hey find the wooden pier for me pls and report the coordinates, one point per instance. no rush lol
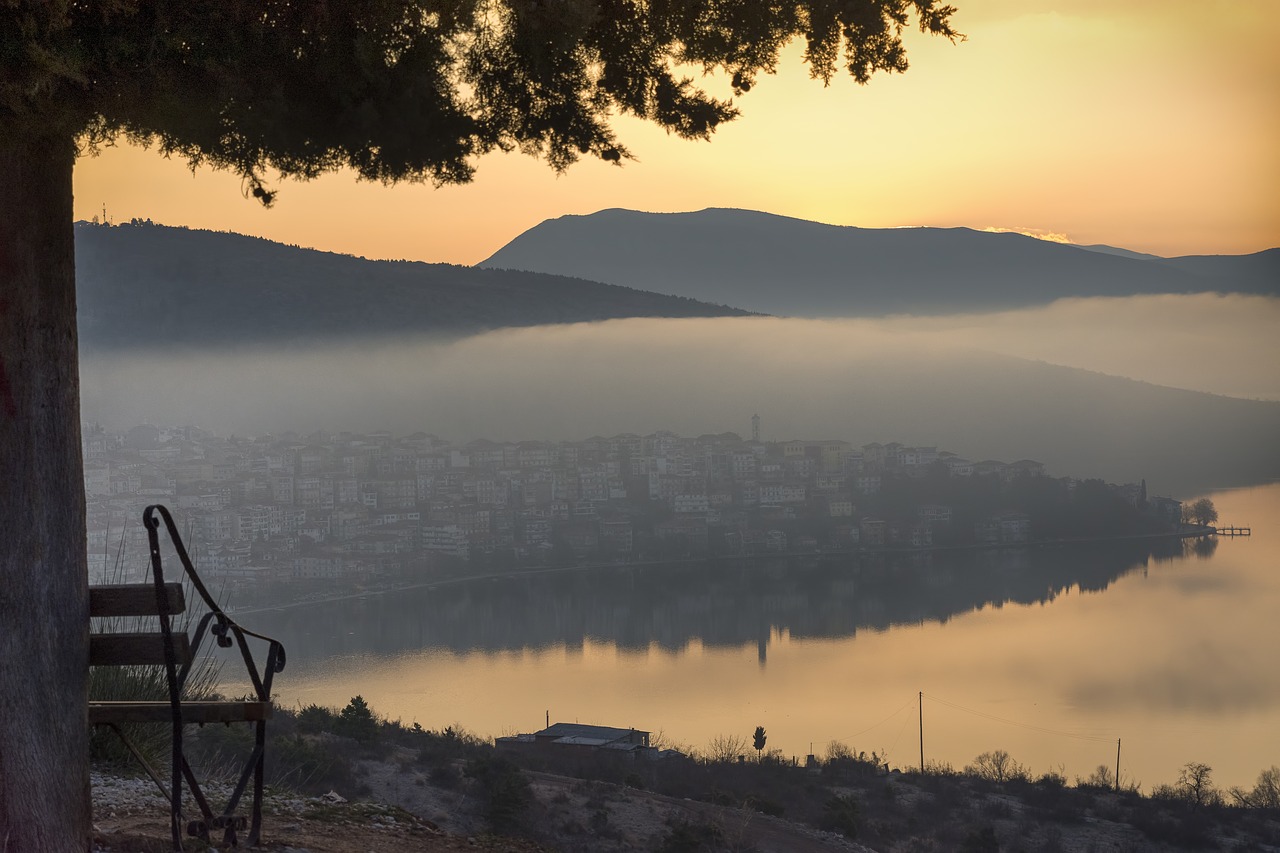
(1233, 531)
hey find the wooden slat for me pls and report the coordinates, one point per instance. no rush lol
(192, 712)
(141, 649)
(133, 599)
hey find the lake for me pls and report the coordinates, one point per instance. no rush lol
(1051, 654)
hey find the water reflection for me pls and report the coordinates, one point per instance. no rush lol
(1166, 644)
(719, 604)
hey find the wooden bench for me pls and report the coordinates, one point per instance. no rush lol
(173, 649)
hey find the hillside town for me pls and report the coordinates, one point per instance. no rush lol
(351, 507)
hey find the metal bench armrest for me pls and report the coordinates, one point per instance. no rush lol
(225, 630)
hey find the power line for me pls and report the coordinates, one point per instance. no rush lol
(904, 707)
(1031, 726)
(884, 758)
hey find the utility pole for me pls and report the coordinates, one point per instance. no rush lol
(921, 706)
(1117, 765)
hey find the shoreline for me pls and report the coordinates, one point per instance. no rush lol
(514, 573)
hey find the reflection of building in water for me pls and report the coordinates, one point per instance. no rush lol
(718, 604)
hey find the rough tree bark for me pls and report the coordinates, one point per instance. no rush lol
(44, 772)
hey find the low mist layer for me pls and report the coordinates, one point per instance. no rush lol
(949, 382)
(1203, 342)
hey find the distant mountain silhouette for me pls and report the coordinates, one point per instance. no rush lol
(1124, 253)
(142, 285)
(779, 265)
(1256, 273)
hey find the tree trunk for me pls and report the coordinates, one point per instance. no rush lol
(44, 611)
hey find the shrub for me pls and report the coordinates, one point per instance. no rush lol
(1189, 833)
(1101, 779)
(998, 767)
(837, 751)
(308, 765)
(843, 762)
(768, 807)
(313, 719)
(448, 745)
(840, 814)
(357, 721)
(726, 748)
(444, 776)
(721, 798)
(143, 683)
(981, 840)
(504, 789)
(686, 837)
(1052, 779)
(1265, 794)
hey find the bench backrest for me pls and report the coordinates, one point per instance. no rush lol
(158, 602)
(166, 645)
(137, 648)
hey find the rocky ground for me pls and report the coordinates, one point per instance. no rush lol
(130, 816)
(403, 813)
(397, 804)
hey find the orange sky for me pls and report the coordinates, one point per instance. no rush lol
(1148, 124)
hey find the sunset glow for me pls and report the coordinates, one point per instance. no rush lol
(1150, 126)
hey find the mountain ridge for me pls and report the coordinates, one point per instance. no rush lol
(783, 265)
(143, 284)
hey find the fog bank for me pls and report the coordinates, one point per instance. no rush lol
(1222, 344)
(930, 382)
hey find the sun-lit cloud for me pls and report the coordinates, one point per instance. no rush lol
(1039, 234)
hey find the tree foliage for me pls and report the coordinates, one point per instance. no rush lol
(758, 739)
(1102, 777)
(1265, 793)
(357, 720)
(1201, 511)
(998, 766)
(841, 813)
(1195, 784)
(414, 89)
(503, 789)
(726, 748)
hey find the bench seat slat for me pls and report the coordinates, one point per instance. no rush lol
(136, 649)
(192, 712)
(134, 599)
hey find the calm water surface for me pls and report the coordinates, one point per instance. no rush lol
(1051, 655)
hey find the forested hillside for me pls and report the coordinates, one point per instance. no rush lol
(146, 285)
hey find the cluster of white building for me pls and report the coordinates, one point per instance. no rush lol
(324, 506)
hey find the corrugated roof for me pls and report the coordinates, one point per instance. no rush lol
(585, 732)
